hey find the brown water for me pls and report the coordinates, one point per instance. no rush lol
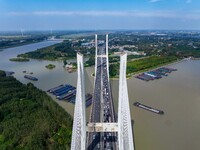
(178, 95)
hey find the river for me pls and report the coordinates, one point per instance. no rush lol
(178, 95)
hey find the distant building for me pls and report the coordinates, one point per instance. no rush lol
(85, 44)
(169, 45)
(69, 66)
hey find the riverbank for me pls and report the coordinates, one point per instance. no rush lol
(195, 58)
(19, 44)
(129, 76)
(19, 59)
(157, 67)
(141, 65)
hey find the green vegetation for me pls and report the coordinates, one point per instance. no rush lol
(65, 62)
(12, 41)
(90, 61)
(114, 70)
(19, 59)
(114, 59)
(65, 50)
(30, 119)
(148, 63)
(130, 57)
(47, 53)
(74, 65)
(50, 66)
(156, 48)
(141, 65)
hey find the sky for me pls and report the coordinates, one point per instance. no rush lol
(99, 14)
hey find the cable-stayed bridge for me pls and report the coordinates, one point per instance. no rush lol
(103, 131)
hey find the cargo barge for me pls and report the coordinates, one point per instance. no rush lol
(64, 91)
(67, 92)
(171, 69)
(56, 88)
(148, 108)
(30, 78)
(155, 74)
(9, 73)
(67, 95)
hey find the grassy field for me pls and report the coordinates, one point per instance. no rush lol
(142, 65)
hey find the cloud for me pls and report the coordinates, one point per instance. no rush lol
(188, 1)
(161, 14)
(154, 1)
(80, 13)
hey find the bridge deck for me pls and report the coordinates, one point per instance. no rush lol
(102, 127)
(102, 136)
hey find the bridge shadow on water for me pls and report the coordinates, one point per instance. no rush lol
(132, 123)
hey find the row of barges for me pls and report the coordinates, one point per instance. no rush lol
(67, 92)
(10, 73)
(62, 92)
(155, 74)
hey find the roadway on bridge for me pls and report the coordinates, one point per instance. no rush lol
(102, 107)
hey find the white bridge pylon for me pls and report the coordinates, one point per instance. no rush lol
(79, 123)
(125, 137)
(123, 127)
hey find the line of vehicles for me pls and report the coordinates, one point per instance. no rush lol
(108, 114)
(94, 138)
(102, 110)
(155, 74)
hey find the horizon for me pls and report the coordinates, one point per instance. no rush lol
(99, 30)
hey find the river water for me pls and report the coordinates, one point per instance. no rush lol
(178, 95)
